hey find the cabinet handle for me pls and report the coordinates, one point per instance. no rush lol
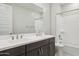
(42, 51)
(39, 52)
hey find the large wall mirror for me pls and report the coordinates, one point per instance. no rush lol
(18, 18)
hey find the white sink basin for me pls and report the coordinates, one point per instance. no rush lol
(32, 37)
(16, 41)
(3, 42)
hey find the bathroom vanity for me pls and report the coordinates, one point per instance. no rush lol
(27, 44)
(41, 48)
(44, 46)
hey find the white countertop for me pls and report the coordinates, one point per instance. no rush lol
(7, 44)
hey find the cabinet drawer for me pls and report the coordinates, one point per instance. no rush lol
(13, 51)
(37, 44)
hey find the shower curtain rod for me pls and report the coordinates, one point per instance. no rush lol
(67, 11)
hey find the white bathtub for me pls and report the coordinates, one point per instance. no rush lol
(67, 50)
(70, 51)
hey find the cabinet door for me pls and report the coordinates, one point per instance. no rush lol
(13, 51)
(41, 51)
(34, 52)
(52, 49)
(52, 46)
(44, 50)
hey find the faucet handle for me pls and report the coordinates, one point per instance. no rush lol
(10, 33)
(60, 38)
(21, 36)
(17, 36)
(12, 37)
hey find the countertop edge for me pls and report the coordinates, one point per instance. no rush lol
(24, 43)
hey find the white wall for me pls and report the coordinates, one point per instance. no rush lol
(71, 22)
(5, 19)
(70, 6)
(58, 8)
(55, 8)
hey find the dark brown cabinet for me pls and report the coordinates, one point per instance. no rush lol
(40, 48)
(34, 52)
(52, 47)
(17, 51)
(41, 51)
(44, 50)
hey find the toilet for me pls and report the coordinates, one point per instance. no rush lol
(59, 48)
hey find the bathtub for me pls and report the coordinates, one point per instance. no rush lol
(67, 50)
(70, 51)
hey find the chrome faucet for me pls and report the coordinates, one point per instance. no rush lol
(60, 38)
(21, 36)
(17, 36)
(12, 37)
(38, 33)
